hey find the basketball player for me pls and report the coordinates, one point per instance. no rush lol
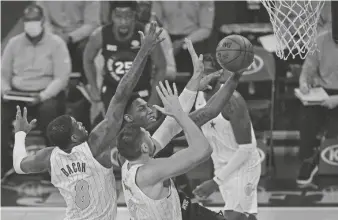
(119, 43)
(85, 180)
(139, 113)
(235, 156)
(149, 192)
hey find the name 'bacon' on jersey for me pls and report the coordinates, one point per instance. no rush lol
(87, 187)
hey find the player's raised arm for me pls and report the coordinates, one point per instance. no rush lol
(106, 131)
(91, 50)
(198, 151)
(169, 128)
(201, 116)
(217, 102)
(160, 64)
(22, 162)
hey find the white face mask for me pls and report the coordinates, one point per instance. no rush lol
(33, 28)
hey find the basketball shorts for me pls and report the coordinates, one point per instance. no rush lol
(240, 191)
(194, 211)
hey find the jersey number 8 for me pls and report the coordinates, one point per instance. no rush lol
(82, 197)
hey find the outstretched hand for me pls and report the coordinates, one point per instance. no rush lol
(171, 103)
(21, 123)
(197, 61)
(151, 38)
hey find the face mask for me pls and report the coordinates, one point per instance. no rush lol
(33, 28)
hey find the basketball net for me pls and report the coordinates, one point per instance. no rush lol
(295, 26)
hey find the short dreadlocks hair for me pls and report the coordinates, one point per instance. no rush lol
(60, 131)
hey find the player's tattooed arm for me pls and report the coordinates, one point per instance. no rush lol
(104, 133)
(40, 162)
(237, 113)
(217, 102)
(91, 50)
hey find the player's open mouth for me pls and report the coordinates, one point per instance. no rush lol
(152, 118)
(123, 29)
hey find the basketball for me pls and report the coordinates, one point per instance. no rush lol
(234, 53)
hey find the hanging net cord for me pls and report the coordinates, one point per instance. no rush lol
(295, 26)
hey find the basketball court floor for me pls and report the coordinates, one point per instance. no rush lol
(267, 213)
(33, 198)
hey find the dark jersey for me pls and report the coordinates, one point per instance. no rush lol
(119, 56)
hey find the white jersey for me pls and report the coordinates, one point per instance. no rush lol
(87, 187)
(241, 186)
(141, 207)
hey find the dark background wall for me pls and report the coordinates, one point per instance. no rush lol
(11, 12)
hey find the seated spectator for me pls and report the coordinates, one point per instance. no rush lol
(319, 70)
(33, 61)
(73, 21)
(119, 42)
(182, 19)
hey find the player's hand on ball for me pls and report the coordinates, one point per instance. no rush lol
(151, 39)
(206, 80)
(240, 72)
(204, 190)
(21, 123)
(172, 106)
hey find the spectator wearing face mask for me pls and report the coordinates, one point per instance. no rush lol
(35, 62)
(73, 21)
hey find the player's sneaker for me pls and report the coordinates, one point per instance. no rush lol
(307, 171)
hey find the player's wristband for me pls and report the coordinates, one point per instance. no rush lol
(20, 135)
(19, 151)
